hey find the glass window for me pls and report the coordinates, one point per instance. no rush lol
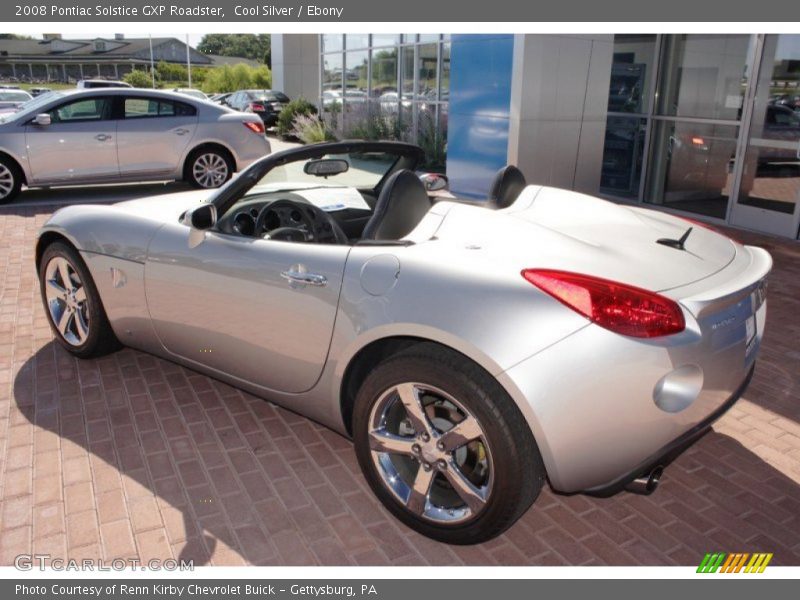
(633, 64)
(385, 40)
(771, 173)
(409, 38)
(408, 72)
(704, 76)
(692, 166)
(89, 109)
(622, 156)
(355, 86)
(332, 42)
(444, 74)
(427, 62)
(332, 72)
(429, 37)
(384, 72)
(355, 41)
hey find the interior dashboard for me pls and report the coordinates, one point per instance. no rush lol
(294, 218)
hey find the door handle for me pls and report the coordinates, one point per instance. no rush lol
(102, 137)
(181, 131)
(798, 149)
(299, 277)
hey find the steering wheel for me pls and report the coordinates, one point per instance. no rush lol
(308, 229)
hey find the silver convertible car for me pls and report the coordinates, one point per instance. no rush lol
(114, 135)
(471, 350)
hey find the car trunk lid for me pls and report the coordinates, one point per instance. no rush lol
(559, 229)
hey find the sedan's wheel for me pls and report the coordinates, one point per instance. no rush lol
(72, 303)
(209, 169)
(10, 181)
(444, 447)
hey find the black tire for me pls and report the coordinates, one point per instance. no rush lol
(189, 174)
(100, 339)
(519, 472)
(10, 180)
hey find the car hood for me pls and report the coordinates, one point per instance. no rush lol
(164, 208)
(552, 228)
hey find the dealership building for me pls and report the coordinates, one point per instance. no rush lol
(704, 125)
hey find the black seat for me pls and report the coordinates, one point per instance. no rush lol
(402, 204)
(506, 187)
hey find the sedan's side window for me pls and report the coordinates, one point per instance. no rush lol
(87, 109)
(138, 108)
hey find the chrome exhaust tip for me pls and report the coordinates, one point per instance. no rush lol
(646, 484)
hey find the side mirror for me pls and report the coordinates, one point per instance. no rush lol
(42, 119)
(200, 217)
(434, 182)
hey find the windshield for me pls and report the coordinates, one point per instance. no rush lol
(32, 106)
(365, 170)
(193, 93)
(14, 96)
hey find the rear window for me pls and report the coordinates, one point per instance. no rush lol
(270, 96)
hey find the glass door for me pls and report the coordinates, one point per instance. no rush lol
(768, 197)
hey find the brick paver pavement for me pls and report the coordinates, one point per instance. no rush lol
(133, 456)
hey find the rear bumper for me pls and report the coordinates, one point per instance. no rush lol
(674, 448)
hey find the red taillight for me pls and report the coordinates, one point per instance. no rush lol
(623, 309)
(257, 107)
(698, 141)
(255, 127)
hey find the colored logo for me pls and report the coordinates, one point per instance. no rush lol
(744, 562)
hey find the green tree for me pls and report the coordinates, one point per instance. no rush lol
(229, 78)
(171, 72)
(137, 78)
(242, 45)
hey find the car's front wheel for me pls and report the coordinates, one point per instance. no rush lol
(208, 168)
(72, 303)
(444, 447)
(10, 180)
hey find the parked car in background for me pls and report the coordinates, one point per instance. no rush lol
(191, 92)
(13, 99)
(267, 104)
(116, 135)
(85, 84)
(38, 91)
(221, 98)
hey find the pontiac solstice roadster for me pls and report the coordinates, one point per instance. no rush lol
(472, 350)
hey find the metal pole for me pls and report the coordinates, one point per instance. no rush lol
(188, 61)
(152, 68)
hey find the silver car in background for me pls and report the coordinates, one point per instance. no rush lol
(122, 135)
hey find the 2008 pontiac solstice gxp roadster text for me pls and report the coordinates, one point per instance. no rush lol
(471, 350)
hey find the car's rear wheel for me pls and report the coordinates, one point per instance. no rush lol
(444, 447)
(72, 303)
(10, 180)
(208, 167)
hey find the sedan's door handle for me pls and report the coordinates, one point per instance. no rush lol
(102, 137)
(181, 131)
(299, 277)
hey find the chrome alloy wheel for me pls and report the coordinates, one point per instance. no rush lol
(431, 453)
(66, 301)
(210, 170)
(6, 181)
